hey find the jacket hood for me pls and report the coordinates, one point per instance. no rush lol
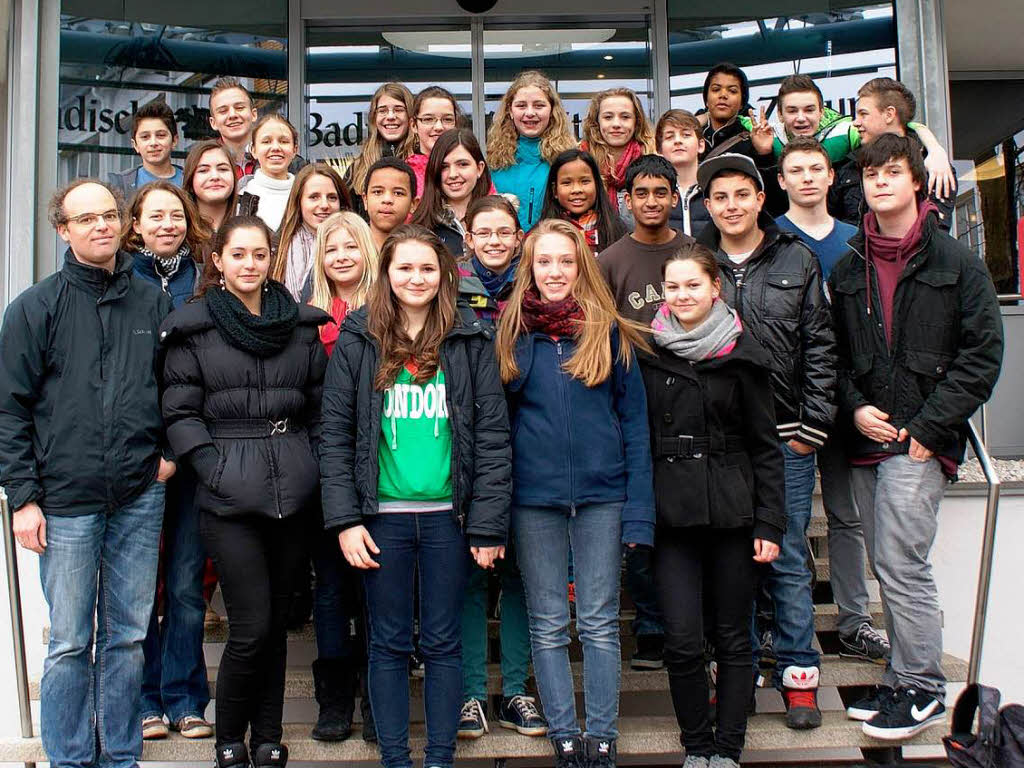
(931, 226)
(193, 317)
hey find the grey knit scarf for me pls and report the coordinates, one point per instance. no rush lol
(715, 336)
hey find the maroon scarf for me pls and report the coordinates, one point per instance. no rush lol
(615, 178)
(561, 318)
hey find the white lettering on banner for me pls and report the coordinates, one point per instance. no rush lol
(412, 401)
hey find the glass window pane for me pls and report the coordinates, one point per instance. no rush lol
(345, 65)
(840, 44)
(118, 56)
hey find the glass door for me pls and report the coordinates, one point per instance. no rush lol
(581, 59)
(345, 65)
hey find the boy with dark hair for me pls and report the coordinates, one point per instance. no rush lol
(774, 282)
(632, 264)
(632, 267)
(886, 106)
(920, 342)
(805, 174)
(390, 196)
(154, 136)
(680, 140)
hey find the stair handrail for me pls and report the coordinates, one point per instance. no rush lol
(17, 621)
(988, 542)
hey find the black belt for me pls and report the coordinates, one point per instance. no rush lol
(697, 446)
(251, 427)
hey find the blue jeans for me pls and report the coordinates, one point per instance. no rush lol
(174, 676)
(431, 545)
(335, 595)
(101, 565)
(543, 537)
(788, 579)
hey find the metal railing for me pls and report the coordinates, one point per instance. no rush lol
(17, 622)
(988, 545)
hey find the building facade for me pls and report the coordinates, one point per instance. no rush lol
(78, 69)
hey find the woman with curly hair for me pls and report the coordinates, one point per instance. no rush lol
(530, 129)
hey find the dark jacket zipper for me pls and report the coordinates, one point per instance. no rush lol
(270, 446)
(453, 426)
(568, 424)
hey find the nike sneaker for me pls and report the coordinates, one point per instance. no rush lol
(904, 714)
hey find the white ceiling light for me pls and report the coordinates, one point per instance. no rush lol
(499, 43)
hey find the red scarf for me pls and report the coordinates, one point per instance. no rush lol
(615, 178)
(329, 332)
(890, 256)
(560, 318)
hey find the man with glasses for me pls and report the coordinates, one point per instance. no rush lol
(83, 462)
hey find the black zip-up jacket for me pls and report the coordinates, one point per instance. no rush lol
(690, 216)
(261, 415)
(80, 426)
(734, 474)
(782, 303)
(946, 350)
(481, 454)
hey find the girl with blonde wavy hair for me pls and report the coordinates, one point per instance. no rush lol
(530, 129)
(566, 356)
(344, 267)
(390, 133)
(616, 132)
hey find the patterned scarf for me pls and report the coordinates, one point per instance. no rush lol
(715, 337)
(587, 224)
(616, 179)
(167, 266)
(300, 261)
(560, 318)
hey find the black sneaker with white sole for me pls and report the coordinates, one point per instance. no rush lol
(904, 714)
(868, 706)
(520, 713)
(472, 720)
(866, 643)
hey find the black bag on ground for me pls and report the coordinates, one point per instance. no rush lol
(999, 742)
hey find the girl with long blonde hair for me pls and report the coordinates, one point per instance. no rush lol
(616, 132)
(317, 192)
(390, 133)
(530, 129)
(574, 387)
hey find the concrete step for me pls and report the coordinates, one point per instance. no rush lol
(835, 671)
(639, 736)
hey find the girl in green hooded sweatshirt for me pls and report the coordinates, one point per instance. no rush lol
(530, 129)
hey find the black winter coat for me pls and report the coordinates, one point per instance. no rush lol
(261, 414)
(690, 210)
(946, 350)
(732, 469)
(481, 456)
(782, 303)
(80, 426)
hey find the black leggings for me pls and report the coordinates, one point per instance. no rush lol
(256, 559)
(691, 564)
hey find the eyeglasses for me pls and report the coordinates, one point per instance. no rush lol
(90, 220)
(486, 234)
(385, 111)
(446, 120)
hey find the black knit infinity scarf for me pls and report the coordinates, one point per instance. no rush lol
(262, 335)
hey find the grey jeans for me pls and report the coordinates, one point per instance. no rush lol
(845, 539)
(898, 501)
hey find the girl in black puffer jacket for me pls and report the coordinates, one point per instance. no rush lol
(242, 380)
(712, 433)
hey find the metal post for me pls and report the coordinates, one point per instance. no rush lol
(476, 39)
(297, 73)
(660, 58)
(987, 551)
(17, 623)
